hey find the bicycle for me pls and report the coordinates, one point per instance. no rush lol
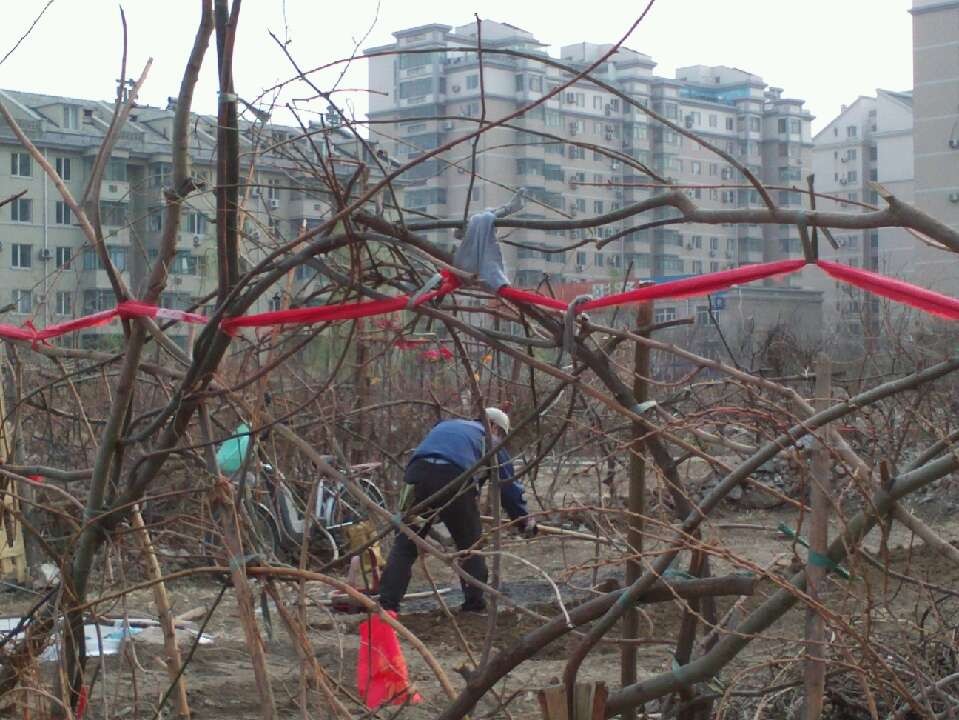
(274, 517)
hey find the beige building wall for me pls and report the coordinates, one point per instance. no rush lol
(936, 110)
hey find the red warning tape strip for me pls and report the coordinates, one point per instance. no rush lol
(931, 302)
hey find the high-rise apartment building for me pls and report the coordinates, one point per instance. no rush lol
(48, 273)
(870, 141)
(577, 152)
(935, 41)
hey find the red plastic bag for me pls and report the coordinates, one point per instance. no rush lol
(381, 674)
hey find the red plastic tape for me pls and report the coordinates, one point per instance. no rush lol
(931, 302)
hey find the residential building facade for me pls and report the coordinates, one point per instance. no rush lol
(935, 26)
(48, 272)
(582, 152)
(869, 142)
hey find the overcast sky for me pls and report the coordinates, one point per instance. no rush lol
(827, 52)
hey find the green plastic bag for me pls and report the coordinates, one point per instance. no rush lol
(232, 452)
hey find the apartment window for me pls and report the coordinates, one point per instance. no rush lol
(196, 223)
(754, 125)
(23, 301)
(64, 303)
(672, 111)
(795, 127)
(62, 213)
(597, 102)
(696, 167)
(697, 267)
(160, 174)
(63, 255)
(97, 300)
(873, 174)
(713, 169)
(63, 168)
(714, 243)
(783, 149)
(472, 82)
(852, 131)
(713, 121)
(116, 253)
(729, 123)
(697, 241)
(835, 132)
(21, 255)
(598, 259)
(536, 83)
(418, 88)
(272, 189)
(598, 206)
(666, 314)
(782, 126)
(116, 170)
(703, 315)
(873, 152)
(851, 154)
(581, 204)
(519, 83)
(113, 214)
(713, 266)
(155, 221)
(71, 117)
(580, 258)
(21, 164)
(21, 210)
(852, 175)
(183, 263)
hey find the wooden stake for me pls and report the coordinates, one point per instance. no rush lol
(636, 502)
(164, 613)
(815, 670)
(230, 527)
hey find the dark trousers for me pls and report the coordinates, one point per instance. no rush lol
(460, 515)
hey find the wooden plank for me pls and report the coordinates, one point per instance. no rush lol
(815, 669)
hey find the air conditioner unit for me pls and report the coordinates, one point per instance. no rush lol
(843, 181)
(573, 129)
(112, 188)
(689, 121)
(689, 246)
(254, 193)
(608, 110)
(455, 88)
(580, 268)
(712, 253)
(274, 204)
(448, 125)
(614, 165)
(844, 158)
(954, 197)
(45, 254)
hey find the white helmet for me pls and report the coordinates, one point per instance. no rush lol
(499, 418)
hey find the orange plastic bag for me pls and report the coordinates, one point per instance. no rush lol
(381, 674)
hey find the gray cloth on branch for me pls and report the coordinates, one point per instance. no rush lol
(480, 253)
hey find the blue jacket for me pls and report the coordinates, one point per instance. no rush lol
(462, 443)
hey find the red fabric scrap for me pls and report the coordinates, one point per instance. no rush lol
(437, 355)
(381, 673)
(931, 302)
(696, 286)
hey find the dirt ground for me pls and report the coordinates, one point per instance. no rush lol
(220, 678)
